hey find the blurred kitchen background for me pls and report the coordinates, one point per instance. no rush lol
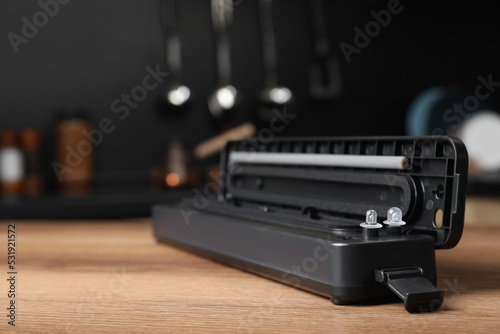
(67, 68)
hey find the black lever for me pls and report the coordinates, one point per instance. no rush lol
(409, 284)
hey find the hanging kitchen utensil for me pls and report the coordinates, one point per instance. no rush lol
(272, 96)
(324, 73)
(225, 97)
(177, 95)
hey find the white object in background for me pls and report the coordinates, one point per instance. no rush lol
(481, 135)
(11, 164)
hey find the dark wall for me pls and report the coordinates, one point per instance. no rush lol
(93, 51)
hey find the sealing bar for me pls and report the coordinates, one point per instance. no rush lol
(324, 160)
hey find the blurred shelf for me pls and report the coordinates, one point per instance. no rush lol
(100, 205)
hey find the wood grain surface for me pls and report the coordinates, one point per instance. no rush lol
(113, 277)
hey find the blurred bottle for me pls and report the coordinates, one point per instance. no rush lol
(175, 164)
(213, 174)
(31, 142)
(74, 154)
(11, 163)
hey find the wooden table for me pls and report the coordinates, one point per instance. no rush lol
(112, 277)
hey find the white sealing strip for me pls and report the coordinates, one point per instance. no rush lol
(326, 160)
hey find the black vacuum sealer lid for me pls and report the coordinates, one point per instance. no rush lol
(340, 179)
